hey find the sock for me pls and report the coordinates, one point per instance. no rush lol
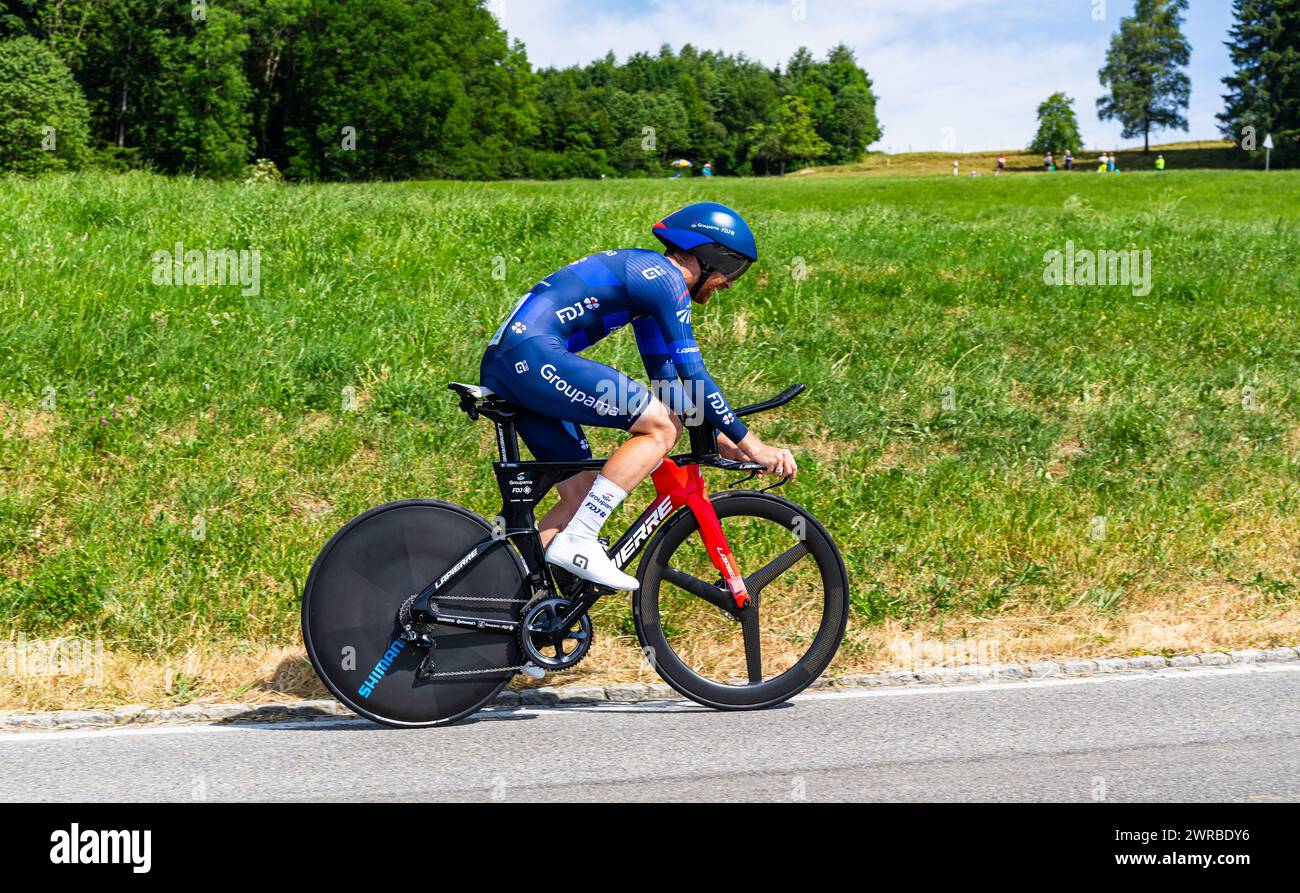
(604, 497)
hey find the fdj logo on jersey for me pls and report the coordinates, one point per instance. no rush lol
(377, 674)
(569, 314)
(719, 405)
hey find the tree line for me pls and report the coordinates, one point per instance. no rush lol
(395, 89)
(1147, 88)
(398, 89)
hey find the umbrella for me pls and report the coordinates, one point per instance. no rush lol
(681, 163)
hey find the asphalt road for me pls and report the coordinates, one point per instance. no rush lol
(1198, 735)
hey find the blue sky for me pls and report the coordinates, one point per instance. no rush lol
(950, 74)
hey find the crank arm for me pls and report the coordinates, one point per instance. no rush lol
(582, 605)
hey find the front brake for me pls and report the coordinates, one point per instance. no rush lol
(780, 483)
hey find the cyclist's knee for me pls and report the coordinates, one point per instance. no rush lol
(677, 424)
(660, 423)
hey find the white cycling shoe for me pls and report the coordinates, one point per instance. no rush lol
(585, 557)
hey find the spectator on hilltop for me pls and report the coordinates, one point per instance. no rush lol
(1048, 164)
(1101, 163)
(1069, 161)
(1002, 165)
(1110, 163)
(1160, 162)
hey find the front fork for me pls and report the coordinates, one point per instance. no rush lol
(686, 487)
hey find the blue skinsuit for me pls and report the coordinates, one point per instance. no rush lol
(533, 359)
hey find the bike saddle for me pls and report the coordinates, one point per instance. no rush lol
(477, 400)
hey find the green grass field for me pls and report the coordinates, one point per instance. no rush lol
(965, 428)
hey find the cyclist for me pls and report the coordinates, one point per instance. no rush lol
(533, 360)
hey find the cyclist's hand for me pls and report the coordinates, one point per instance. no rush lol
(776, 460)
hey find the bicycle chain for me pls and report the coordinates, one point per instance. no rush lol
(483, 672)
(405, 613)
(451, 673)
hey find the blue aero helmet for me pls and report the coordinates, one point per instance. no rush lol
(716, 236)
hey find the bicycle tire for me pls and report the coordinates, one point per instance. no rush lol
(359, 581)
(670, 665)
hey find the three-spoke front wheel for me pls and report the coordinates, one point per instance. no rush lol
(732, 659)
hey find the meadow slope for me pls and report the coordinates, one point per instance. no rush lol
(1054, 470)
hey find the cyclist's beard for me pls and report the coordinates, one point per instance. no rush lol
(698, 288)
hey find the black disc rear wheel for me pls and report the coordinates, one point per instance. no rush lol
(768, 652)
(358, 584)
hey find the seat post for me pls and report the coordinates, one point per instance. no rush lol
(507, 441)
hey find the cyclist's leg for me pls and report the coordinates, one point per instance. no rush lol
(551, 381)
(556, 440)
(543, 376)
(654, 433)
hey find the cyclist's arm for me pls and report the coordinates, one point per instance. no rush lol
(659, 366)
(729, 450)
(664, 297)
(664, 383)
(695, 377)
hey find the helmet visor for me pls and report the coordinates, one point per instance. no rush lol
(721, 259)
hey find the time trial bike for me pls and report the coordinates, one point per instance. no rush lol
(419, 612)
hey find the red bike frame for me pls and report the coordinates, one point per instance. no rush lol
(683, 486)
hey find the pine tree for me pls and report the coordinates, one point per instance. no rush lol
(1142, 71)
(1264, 91)
(1058, 129)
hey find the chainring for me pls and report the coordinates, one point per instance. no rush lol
(536, 631)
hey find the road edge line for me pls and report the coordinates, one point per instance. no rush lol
(631, 693)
